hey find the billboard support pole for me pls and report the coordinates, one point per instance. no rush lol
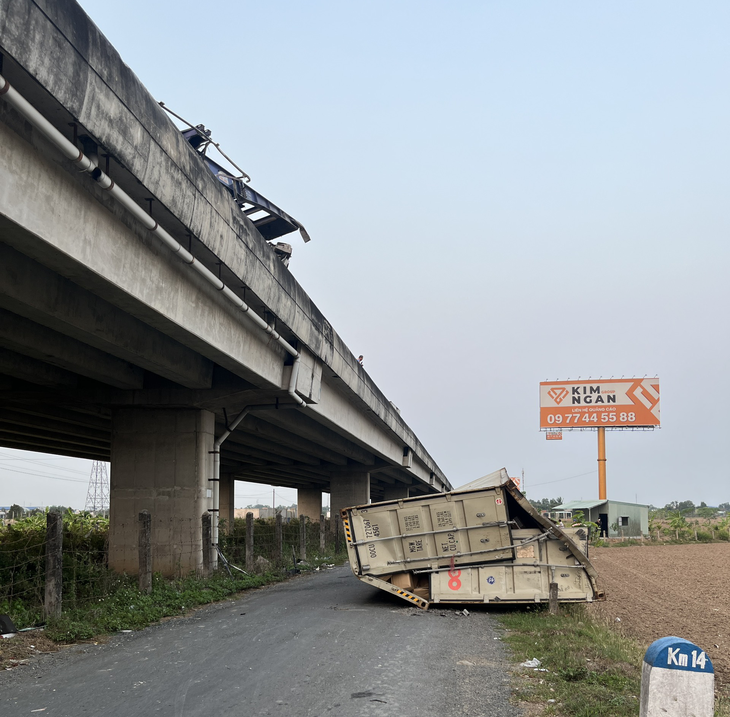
(601, 463)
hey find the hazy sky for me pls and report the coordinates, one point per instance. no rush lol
(498, 193)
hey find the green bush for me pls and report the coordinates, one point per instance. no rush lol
(22, 563)
(23, 569)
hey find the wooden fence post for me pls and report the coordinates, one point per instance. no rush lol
(144, 577)
(207, 543)
(321, 534)
(249, 541)
(553, 604)
(302, 537)
(279, 540)
(54, 565)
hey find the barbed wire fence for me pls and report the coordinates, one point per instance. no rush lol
(258, 544)
(49, 558)
(51, 562)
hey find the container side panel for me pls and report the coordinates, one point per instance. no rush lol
(556, 552)
(529, 583)
(572, 583)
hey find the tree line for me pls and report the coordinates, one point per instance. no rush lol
(16, 512)
(685, 507)
(688, 508)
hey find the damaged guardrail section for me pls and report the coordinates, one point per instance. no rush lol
(482, 543)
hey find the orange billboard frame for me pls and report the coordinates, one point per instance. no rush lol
(610, 403)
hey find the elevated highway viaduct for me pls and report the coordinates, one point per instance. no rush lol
(143, 312)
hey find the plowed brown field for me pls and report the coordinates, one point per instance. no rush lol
(680, 590)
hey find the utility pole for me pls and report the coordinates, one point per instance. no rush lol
(601, 463)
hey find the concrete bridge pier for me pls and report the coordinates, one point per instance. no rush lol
(160, 462)
(309, 503)
(227, 496)
(348, 489)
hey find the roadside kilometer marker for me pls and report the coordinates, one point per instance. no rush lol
(677, 679)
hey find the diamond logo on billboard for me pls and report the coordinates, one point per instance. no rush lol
(558, 394)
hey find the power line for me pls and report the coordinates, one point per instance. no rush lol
(43, 475)
(560, 480)
(45, 464)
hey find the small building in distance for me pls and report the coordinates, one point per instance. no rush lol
(615, 519)
(265, 513)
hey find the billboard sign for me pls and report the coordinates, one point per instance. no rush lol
(611, 403)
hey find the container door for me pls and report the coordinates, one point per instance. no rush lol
(488, 537)
(446, 536)
(417, 542)
(377, 556)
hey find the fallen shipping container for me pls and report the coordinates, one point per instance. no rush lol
(482, 543)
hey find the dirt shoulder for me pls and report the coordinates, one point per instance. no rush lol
(681, 590)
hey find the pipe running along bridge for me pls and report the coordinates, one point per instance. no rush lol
(147, 319)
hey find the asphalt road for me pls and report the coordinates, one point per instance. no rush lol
(320, 644)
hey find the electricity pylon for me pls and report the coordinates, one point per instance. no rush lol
(97, 497)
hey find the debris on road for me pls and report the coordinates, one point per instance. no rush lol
(534, 662)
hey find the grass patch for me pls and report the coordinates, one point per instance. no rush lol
(126, 608)
(617, 543)
(591, 670)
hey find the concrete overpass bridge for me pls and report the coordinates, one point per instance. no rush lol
(146, 320)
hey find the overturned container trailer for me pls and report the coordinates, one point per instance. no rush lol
(482, 543)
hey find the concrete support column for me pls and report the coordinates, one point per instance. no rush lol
(309, 503)
(348, 489)
(160, 462)
(227, 494)
(396, 492)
